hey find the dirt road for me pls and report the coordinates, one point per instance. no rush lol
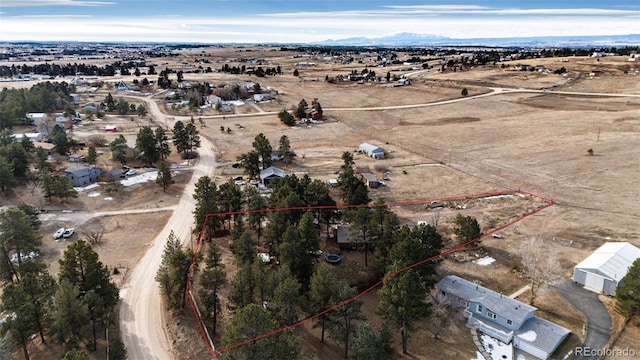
(141, 321)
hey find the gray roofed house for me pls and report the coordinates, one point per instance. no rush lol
(270, 173)
(81, 175)
(504, 318)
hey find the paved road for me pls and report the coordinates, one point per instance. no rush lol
(141, 321)
(598, 319)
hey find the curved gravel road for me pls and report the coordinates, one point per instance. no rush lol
(141, 322)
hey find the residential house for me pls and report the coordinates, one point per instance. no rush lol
(504, 318)
(122, 86)
(82, 175)
(602, 271)
(77, 158)
(270, 173)
(34, 137)
(371, 150)
(346, 236)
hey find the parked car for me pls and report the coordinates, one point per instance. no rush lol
(68, 232)
(239, 182)
(58, 233)
(31, 255)
(131, 172)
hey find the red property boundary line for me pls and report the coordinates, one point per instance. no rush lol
(196, 312)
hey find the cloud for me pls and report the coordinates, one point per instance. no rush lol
(32, 3)
(453, 10)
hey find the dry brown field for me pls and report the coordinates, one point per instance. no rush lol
(535, 142)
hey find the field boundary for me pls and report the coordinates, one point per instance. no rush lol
(205, 334)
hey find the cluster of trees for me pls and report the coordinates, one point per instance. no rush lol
(68, 69)
(260, 157)
(44, 97)
(16, 158)
(123, 107)
(264, 299)
(258, 71)
(301, 109)
(74, 310)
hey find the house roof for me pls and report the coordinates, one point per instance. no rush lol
(369, 177)
(542, 334)
(498, 303)
(78, 171)
(611, 260)
(272, 171)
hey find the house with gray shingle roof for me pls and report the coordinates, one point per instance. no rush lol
(271, 173)
(81, 175)
(504, 318)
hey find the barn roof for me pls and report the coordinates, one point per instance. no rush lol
(611, 260)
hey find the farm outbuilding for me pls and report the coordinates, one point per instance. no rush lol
(371, 150)
(371, 180)
(603, 270)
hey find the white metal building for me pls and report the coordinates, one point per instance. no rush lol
(602, 271)
(371, 150)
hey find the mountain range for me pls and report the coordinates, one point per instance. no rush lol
(411, 39)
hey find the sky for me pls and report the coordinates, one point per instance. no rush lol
(304, 21)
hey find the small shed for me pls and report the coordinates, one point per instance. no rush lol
(110, 128)
(271, 173)
(333, 183)
(371, 150)
(603, 270)
(371, 180)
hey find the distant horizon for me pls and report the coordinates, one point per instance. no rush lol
(283, 21)
(495, 42)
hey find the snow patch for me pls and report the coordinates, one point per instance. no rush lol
(487, 260)
(139, 179)
(88, 187)
(93, 194)
(479, 356)
(529, 336)
(497, 349)
(108, 198)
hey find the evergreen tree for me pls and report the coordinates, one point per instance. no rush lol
(467, 228)
(372, 344)
(180, 137)
(285, 149)
(118, 149)
(146, 143)
(70, 318)
(92, 156)
(164, 178)
(263, 148)
(212, 279)
(628, 293)
(402, 302)
(81, 267)
(301, 109)
(7, 180)
(162, 143)
(324, 284)
(341, 324)
(206, 196)
(20, 326)
(252, 321)
(286, 298)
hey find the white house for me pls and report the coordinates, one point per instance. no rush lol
(603, 270)
(503, 318)
(371, 150)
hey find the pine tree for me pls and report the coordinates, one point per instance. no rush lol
(164, 178)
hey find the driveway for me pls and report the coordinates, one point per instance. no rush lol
(598, 319)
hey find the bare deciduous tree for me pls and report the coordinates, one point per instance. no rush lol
(444, 315)
(541, 267)
(94, 236)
